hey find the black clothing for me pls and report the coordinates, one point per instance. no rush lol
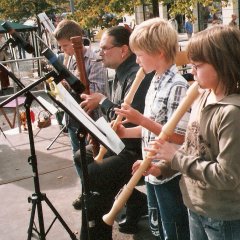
(114, 172)
(125, 75)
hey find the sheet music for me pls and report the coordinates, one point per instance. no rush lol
(46, 22)
(101, 128)
(50, 107)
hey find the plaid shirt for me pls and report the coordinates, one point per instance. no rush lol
(162, 99)
(96, 74)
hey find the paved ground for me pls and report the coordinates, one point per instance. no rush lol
(57, 179)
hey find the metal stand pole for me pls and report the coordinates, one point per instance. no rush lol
(53, 141)
(3, 132)
(90, 199)
(37, 197)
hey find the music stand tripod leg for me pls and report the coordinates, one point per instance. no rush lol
(31, 226)
(3, 132)
(58, 216)
(37, 197)
(53, 141)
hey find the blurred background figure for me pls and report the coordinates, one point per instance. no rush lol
(4, 79)
(233, 22)
(188, 28)
(173, 22)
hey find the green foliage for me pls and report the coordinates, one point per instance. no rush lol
(185, 7)
(16, 10)
(92, 13)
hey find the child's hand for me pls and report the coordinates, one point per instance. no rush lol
(130, 114)
(65, 84)
(152, 169)
(162, 150)
(136, 165)
(120, 129)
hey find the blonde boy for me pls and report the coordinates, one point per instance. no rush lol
(155, 44)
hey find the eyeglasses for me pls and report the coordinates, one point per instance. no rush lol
(196, 66)
(105, 49)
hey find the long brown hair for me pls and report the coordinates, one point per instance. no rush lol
(220, 47)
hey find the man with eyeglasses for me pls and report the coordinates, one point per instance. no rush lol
(114, 172)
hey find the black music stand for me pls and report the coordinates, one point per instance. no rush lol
(64, 128)
(2, 132)
(90, 199)
(105, 135)
(37, 197)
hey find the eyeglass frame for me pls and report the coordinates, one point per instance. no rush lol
(196, 66)
(104, 50)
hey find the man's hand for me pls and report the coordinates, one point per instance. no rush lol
(90, 102)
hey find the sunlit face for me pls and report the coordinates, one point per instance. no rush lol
(148, 62)
(205, 74)
(66, 46)
(110, 54)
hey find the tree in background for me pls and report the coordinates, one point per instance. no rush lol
(21, 10)
(185, 7)
(91, 13)
(16, 10)
(101, 13)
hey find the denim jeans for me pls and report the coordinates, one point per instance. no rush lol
(205, 228)
(168, 216)
(75, 146)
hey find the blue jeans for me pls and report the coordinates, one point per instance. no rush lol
(75, 146)
(168, 216)
(205, 228)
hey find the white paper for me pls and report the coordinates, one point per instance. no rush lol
(51, 108)
(103, 125)
(46, 22)
(101, 129)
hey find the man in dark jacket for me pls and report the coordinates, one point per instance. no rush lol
(114, 172)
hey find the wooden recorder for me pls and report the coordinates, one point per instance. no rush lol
(167, 131)
(128, 99)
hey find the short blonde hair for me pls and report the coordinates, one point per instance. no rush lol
(153, 36)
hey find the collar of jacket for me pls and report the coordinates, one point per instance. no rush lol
(233, 99)
(123, 69)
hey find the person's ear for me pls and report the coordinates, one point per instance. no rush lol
(125, 50)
